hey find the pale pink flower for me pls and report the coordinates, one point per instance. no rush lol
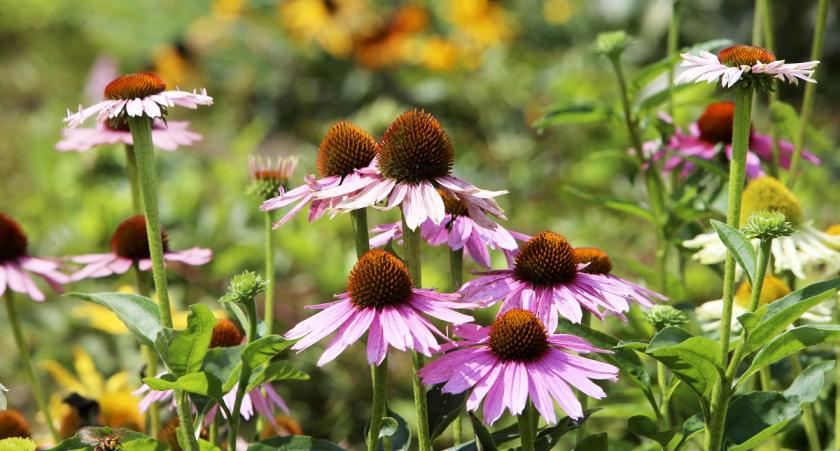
(134, 95)
(517, 359)
(17, 266)
(165, 136)
(130, 246)
(381, 301)
(414, 160)
(739, 62)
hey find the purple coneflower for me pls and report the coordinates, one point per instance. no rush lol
(739, 62)
(136, 95)
(517, 359)
(344, 149)
(130, 245)
(458, 231)
(547, 279)
(714, 128)
(413, 160)
(381, 300)
(165, 136)
(17, 266)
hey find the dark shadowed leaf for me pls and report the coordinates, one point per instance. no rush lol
(443, 408)
(594, 442)
(573, 114)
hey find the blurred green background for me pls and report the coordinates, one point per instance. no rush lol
(281, 73)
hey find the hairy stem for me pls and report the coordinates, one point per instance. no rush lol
(360, 231)
(23, 350)
(527, 427)
(133, 180)
(379, 379)
(456, 279)
(268, 314)
(762, 260)
(673, 43)
(585, 321)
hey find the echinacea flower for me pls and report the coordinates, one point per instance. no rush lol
(598, 262)
(413, 160)
(517, 359)
(547, 279)
(130, 246)
(344, 149)
(166, 136)
(17, 266)
(382, 301)
(807, 250)
(711, 137)
(457, 231)
(261, 399)
(270, 175)
(742, 62)
(135, 95)
(709, 313)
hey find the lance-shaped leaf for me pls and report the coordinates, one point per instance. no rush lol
(204, 384)
(443, 408)
(183, 351)
(276, 371)
(739, 246)
(262, 350)
(790, 342)
(139, 314)
(692, 359)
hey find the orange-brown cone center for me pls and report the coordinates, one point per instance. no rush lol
(415, 148)
(13, 424)
(225, 334)
(134, 86)
(130, 240)
(599, 261)
(745, 55)
(379, 279)
(546, 259)
(716, 122)
(344, 148)
(518, 335)
(12, 239)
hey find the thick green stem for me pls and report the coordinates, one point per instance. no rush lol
(762, 261)
(141, 135)
(133, 181)
(808, 99)
(234, 418)
(268, 314)
(580, 434)
(23, 350)
(662, 381)
(360, 231)
(411, 238)
(673, 43)
(379, 379)
(527, 427)
(148, 354)
(456, 279)
(737, 171)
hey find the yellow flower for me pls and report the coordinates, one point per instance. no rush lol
(332, 24)
(387, 45)
(484, 22)
(439, 54)
(172, 63)
(227, 10)
(17, 444)
(118, 407)
(557, 12)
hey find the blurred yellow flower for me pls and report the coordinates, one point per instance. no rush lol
(387, 45)
(227, 10)
(172, 64)
(485, 22)
(118, 407)
(439, 54)
(330, 23)
(557, 12)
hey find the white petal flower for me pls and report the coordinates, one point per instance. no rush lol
(739, 61)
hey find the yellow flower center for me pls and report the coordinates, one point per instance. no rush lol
(415, 148)
(344, 148)
(772, 289)
(599, 261)
(745, 55)
(546, 259)
(518, 335)
(379, 279)
(768, 194)
(134, 86)
(833, 230)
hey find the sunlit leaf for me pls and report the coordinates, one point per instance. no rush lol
(139, 314)
(739, 246)
(790, 342)
(183, 351)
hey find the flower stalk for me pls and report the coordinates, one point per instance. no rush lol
(585, 321)
(268, 314)
(807, 109)
(673, 43)
(141, 135)
(246, 297)
(737, 173)
(379, 379)
(411, 238)
(456, 279)
(527, 427)
(23, 351)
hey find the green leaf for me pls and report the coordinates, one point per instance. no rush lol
(643, 426)
(625, 359)
(612, 203)
(691, 359)
(807, 386)
(144, 444)
(89, 437)
(139, 314)
(183, 351)
(395, 430)
(483, 438)
(262, 350)
(225, 364)
(755, 417)
(276, 371)
(594, 442)
(790, 342)
(443, 409)
(770, 320)
(204, 384)
(546, 438)
(165, 382)
(294, 443)
(573, 114)
(739, 246)
(204, 445)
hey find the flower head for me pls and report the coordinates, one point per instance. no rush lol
(612, 43)
(344, 149)
(414, 158)
(165, 135)
(17, 266)
(13, 424)
(381, 300)
(17, 444)
(269, 176)
(752, 65)
(710, 138)
(225, 334)
(517, 359)
(130, 246)
(662, 316)
(549, 278)
(766, 225)
(136, 95)
(244, 287)
(769, 194)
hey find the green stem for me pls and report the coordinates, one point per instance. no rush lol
(456, 279)
(527, 427)
(23, 350)
(585, 321)
(673, 43)
(411, 239)
(762, 261)
(662, 381)
(737, 170)
(214, 431)
(234, 418)
(360, 231)
(837, 379)
(808, 418)
(769, 44)
(379, 379)
(133, 181)
(756, 25)
(141, 135)
(808, 101)
(269, 274)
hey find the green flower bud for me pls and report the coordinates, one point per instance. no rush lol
(244, 287)
(612, 43)
(662, 316)
(766, 225)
